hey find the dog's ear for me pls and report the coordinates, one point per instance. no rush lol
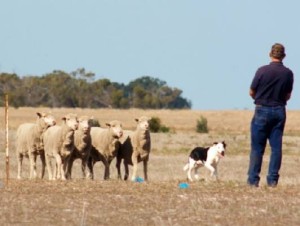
(224, 144)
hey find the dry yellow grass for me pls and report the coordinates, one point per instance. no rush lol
(232, 126)
(235, 121)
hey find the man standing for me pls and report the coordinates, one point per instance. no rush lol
(271, 88)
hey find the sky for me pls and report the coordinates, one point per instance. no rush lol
(208, 49)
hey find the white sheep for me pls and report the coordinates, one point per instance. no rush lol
(59, 143)
(82, 145)
(135, 147)
(29, 142)
(105, 145)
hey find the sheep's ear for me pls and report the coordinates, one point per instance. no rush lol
(108, 124)
(136, 119)
(64, 118)
(39, 114)
(215, 143)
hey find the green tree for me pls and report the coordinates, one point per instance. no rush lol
(62, 89)
(10, 84)
(81, 74)
(78, 89)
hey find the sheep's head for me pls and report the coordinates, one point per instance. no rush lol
(116, 128)
(47, 119)
(71, 121)
(83, 124)
(143, 123)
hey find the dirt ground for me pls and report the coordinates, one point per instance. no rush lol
(160, 201)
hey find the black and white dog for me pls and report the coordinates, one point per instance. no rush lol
(205, 156)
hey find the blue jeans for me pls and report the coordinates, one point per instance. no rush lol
(267, 124)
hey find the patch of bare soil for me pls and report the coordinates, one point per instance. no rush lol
(81, 202)
(160, 201)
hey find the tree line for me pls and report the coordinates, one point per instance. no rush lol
(81, 89)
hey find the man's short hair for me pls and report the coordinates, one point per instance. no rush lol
(277, 51)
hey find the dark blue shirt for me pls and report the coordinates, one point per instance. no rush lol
(272, 83)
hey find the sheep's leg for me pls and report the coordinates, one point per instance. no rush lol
(83, 166)
(34, 166)
(62, 172)
(145, 163)
(135, 166)
(126, 170)
(32, 159)
(20, 160)
(118, 165)
(55, 171)
(49, 167)
(58, 167)
(69, 164)
(42, 157)
(64, 167)
(90, 164)
(106, 171)
(68, 172)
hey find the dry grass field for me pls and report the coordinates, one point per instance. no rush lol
(160, 201)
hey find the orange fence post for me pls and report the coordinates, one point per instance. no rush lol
(6, 141)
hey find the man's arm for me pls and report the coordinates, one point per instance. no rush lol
(288, 96)
(252, 93)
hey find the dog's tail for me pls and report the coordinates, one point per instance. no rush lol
(186, 167)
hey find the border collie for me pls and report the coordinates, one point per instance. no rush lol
(205, 156)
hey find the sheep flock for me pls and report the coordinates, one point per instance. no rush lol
(59, 144)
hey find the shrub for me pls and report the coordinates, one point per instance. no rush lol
(164, 129)
(94, 122)
(202, 125)
(156, 126)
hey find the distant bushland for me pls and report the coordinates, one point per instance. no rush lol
(80, 89)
